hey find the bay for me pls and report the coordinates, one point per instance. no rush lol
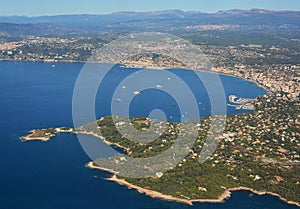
(53, 174)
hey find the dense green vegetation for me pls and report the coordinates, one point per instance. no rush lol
(252, 153)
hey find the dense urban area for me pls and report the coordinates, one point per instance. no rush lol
(273, 67)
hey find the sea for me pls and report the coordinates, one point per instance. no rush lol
(52, 175)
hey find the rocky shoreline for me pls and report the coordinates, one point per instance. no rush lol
(154, 194)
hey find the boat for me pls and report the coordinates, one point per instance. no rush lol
(118, 100)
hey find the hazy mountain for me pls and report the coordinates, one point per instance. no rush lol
(12, 29)
(253, 16)
(170, 20)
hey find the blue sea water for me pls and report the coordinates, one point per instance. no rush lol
(47, 175)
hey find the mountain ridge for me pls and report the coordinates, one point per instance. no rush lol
(146, 15)
(158, 21)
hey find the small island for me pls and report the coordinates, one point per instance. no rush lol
(45, 134)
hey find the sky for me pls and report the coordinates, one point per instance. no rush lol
(55, 7)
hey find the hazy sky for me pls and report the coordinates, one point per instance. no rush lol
(53, 7)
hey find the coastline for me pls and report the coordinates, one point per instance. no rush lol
(215, 71)
(151, 193)
(154, 194)
(103, 139)
(45, 61)
(236, 76)
(31, 137)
